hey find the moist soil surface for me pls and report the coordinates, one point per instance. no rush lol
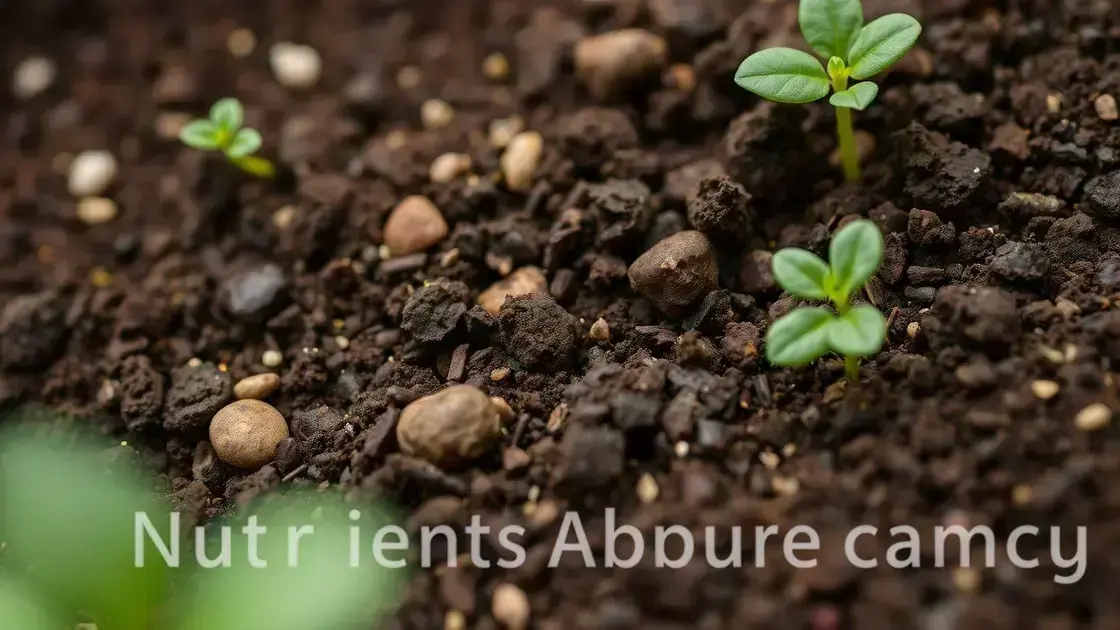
(992, 164)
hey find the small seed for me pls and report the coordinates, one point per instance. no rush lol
(600, 331)
(1045, 390)
(96, 210)
(499, 373)
(496, 67)
(1093, 418)
(511, 607)
(647, 489)
(449, 166)
(1105, 105)
(91, 172)
(257, 386)
(272, 358)
(295, 65)
(435, 114)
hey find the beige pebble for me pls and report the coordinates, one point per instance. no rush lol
(97, 210)
(504, 410)
(510, 606)
(556, 418)
(241, 42)
(611, 62)
(295, 65)
(499, 374)
(770, 460)
(33, 76)
(1093, 418)
(681, 77)
(284, 217)
(414, 226)
(1105, 104)
(449, 166)
(435, 114)
(786, 486)
(520, 160)
(91, 172)
(600, 331)
(496, 67)
(1044, 390)
(272, 358)
(647, 489)
(503, 130)
(522, 281)
(681, 449)
(257, 386)
(1021, 494)
(1054, 102)
(245, 433)
(451, 427)
(454, 620)
(913, 329)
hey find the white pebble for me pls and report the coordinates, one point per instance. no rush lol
(91, 172)
(97, 210)
(272, 358)
(295, 65)
(32, 77)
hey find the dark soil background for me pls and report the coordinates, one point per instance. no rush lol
(993, 166)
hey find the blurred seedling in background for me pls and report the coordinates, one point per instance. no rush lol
(68, 522)
(853, 50)
(225, 131)
(807, 333)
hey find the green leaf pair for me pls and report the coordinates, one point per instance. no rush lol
(224, 131)
(808, 333)
(835, 30)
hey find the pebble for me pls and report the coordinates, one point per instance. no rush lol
(449, 166)
(246, 433)
(257, 386)
(503, 131)
(677, 271)
(241, 42)
(522, 281)
(33, 76)
(1105, 105)
(454, 620)
(510, 606)
(435, 114)
(97, 210)
(913, 329)
(600, 331)
(254, 291)
(496, 67)
(91, 172)
(504, 410)
(520, 160)
(1093, 418)
(272, 358)
(283, 218)
(295, 65)
(414, 226)
(1045, 390)
(612, 62)
(451, 427)
(647, 489)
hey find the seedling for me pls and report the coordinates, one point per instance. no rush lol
(807, 333)
(853, 50)
(224, 131)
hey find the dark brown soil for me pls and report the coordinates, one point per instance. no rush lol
(987, 289)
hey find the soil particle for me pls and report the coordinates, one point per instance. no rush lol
(592, 136)
(945, 107)
(982, 318)
(434, 311)
(414, 226)
(522, 281)
(541, 48)
(289, 457)
(592, 458)
(621, 208)
(245, 433)
(925, 228)
(677, 271)
(682, 183)
(207, 468)
(257, 386)
(1023, 206)
(612, 63)
(142, 390)
(762, 144)
(450, 428)
(1103, 196)
(196, 394)
(719, 206)
(756, 272)
(538, 332)
(255, 293)
(600, 331)
(942, 175)
(1021, 261)
(32, 331)
(1012, 140)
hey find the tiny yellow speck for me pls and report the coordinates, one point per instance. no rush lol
(101, 278)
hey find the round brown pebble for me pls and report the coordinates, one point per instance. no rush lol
(257, 386)
(677, 271)
(414, 226)
(611, 63)
(511, 607)
(246, 433)
(451, 427)
(522, 281)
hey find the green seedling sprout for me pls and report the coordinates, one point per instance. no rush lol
(224, 131)
(853, 50)
(807, 333)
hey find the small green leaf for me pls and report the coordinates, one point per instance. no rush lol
(859, 333)
(256, 166)
(228, 114)
(881, 43)
(201, 134)
(21, 609)
(784, 75)
(801, 272)
(246, 142)
(830, 26)
(854, 255)
(859, 96)
(799, 337)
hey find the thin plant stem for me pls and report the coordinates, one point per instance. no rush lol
(851, 369)
(849, 155)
